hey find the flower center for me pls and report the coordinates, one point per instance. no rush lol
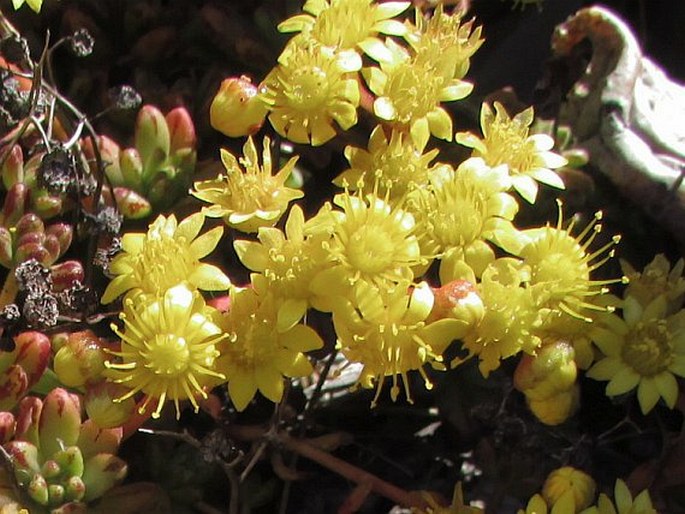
(163, 263)
(167, 354)
(648, 348)
(414, 90)
(344, 24)
(458, 226)
(309, 89)
(370, 250)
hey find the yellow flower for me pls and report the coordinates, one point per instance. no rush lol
(644, 349)
(462, 212)
(625, 503)
(568, 489)
(506, 141)
(349, 24)
(169, 347)
(395, 166)
(285, 264)
(657, 278)
(409, 93)
(312, 86)
(444, 42)
(371, 243)
(386, 331)
(456, 507)
(167, 255)
(257, 355)
(510, 320)
(248, 197)
(560, 266)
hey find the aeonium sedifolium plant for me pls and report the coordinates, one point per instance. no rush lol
(416, 262)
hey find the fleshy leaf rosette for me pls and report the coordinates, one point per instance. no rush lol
(21, 368)
(58, 460)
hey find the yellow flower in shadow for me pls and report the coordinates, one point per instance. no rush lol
(645, 349)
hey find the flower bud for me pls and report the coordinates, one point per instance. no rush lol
(13, 168)
(237, 110)
(552, 371)
(181, 130)
(567, 484)
(80, 360)
(556, 409)
(152, 140)
(130, 204)
(132, 169)
(102, 408)
(458, 299)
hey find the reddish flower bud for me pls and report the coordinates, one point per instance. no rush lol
(458, 299)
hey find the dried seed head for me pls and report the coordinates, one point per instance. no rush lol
(33, 277)
(125, 97)
(82, 43)
(57, 171)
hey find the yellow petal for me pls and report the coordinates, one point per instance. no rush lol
(209, 278)
(190, 227)
(241, 389)
(623, 381)
(667, 386)
(270, 382)
(206, 243)
(647, 394)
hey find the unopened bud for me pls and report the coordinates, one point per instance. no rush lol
(571, 485)
(237, 110)
(556, 409)
(458, 299)
(552, 371)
